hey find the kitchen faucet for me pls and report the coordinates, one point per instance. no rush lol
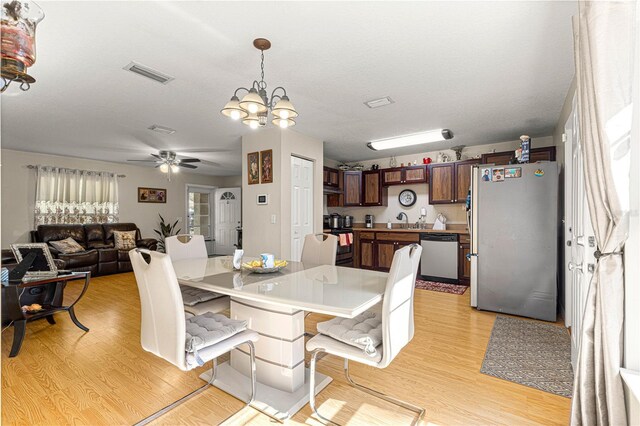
(406, 218)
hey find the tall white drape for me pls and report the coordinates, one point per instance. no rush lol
(75, 196)
(603, 35)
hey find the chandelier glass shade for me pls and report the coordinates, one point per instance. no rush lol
(19, 21)
(255, 105)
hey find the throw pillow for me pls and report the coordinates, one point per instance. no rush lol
(67, 246)
(124, 240)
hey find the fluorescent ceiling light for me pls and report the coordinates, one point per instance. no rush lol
(409, 140)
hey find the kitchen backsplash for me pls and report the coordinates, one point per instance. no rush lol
(454, 214)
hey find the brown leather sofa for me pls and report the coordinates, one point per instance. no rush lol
(99, 257)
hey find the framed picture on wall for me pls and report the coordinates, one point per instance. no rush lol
(152, 195)
(266, 166)
(253, 168)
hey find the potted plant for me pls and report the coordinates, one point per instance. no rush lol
(166, 230)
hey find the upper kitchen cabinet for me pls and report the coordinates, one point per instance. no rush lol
(330, 177)
(374, 194)
(547, 153)
(352, 181)
(441, 180)
(449, 182)
(404, 175)
(463, 179)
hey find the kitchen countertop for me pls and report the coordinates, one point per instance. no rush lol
(451, 230)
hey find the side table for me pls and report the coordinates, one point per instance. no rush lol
(52, 302)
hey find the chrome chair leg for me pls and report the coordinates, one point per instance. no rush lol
(312, 387)
(418, 410)
(171, 406)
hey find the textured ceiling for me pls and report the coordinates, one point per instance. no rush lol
(489, 71)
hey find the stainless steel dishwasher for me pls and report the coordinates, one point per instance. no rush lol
(439, 260)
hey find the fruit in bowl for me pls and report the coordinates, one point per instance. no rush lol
(256, 266)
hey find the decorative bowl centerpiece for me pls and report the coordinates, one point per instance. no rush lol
(255, 266)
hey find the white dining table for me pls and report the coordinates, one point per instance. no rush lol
(274, 305)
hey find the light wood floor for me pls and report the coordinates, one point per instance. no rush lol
(64, 376)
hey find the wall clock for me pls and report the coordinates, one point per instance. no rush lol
(407, 198)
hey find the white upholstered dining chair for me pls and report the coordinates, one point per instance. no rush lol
(373, 338)
(196, 301)
(184, 342)
(319, 249)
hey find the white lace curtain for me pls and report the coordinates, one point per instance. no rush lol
(75, 196)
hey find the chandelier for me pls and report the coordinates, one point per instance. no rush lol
(19, 21)
(254, 107)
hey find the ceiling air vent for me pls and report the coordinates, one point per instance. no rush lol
(149, 73)
(377, 103)
(162, 129)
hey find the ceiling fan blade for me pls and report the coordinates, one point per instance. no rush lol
(144, 161)
(157, 156)
(196, 150)
(189, 160)
(211, 163)
(188, 166)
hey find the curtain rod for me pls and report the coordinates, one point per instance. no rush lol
(31, 166)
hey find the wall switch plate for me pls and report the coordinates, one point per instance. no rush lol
(273, 218)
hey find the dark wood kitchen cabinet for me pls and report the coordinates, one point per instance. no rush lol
(545, 153)
(464, 265)
(462, 180)
(352, 181)
(449, 182)
(404, 175)
(330, 177)
(441, 190)
(366, 251)
(374, 194)
(376, 249)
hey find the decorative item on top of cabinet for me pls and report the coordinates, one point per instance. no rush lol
(352, 185)
(546, 153)
(373, 194)
(449, 182)
(404, 175)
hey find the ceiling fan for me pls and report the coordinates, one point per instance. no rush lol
(169, 163)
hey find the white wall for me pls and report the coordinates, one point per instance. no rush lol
(454, 213)
(18, 192)
(259, 234)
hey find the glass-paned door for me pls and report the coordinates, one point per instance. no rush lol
(200, 214)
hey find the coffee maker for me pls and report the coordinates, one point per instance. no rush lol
(369, 220)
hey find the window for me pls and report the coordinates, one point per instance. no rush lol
(75, 196)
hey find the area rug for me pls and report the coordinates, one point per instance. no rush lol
(441, 287)
(530, 353)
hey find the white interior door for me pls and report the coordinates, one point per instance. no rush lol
(228, 218)
(200, 213)
(301, 203)
(567, 138)
(580, 239)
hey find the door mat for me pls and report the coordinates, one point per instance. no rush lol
(441, 287)
(530, 353)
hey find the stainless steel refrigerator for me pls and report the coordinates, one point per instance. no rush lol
(514, 229)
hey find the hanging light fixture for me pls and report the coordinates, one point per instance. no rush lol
(254, 107)
(19, 21)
